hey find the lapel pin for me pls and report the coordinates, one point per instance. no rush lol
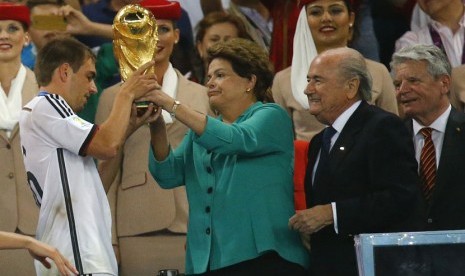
(342, 148)
(458, 129)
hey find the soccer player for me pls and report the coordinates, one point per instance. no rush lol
(59, 147)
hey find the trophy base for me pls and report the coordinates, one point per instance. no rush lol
(142, 107)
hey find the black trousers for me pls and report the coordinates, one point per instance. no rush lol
(269, 264)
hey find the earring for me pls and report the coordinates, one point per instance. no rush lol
(351, 25)
(247, 90)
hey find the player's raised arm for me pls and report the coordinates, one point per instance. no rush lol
(111, 133)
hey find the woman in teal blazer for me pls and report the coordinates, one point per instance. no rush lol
(237, 169)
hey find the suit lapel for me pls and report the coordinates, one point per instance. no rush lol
(4, 136)
(409, 125)
(348, 136)
(30, 89)
(452, 138)
(313, 150)
(339, 151)
(180, 95)
(14, 132)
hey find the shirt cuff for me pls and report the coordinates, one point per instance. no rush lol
(333, 206)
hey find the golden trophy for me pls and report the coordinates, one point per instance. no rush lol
(135, 37)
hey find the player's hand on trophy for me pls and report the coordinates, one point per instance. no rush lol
(141, 116)
(139, 84)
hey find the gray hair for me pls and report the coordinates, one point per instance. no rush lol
(437, 61)
(354, 66)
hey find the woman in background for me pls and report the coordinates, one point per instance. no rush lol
(323, 25)
(18, 85)
(213, 28)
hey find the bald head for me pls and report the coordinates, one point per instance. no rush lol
(336, 80)
(351, 64)
(342, 52)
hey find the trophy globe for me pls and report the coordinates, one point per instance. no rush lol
(135, 38)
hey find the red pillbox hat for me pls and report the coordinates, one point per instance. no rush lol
(162, 9)
(11, 11)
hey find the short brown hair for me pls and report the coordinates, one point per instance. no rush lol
(57, 52)
(219, 17)
(247, 58)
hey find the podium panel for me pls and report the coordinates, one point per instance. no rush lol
(438, 253)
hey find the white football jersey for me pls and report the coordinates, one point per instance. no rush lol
(74, 211)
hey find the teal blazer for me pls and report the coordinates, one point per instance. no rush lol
(239, 186)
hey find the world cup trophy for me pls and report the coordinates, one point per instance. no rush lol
(135, 37)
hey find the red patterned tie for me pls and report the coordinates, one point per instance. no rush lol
(428, 163)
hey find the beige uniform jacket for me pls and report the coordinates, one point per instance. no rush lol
(18, 210)
(137, 202)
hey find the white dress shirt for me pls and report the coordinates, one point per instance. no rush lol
(453, 43)
(437, 135)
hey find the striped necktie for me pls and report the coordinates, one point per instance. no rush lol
(428, 164)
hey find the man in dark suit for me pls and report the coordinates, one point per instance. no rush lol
(422, 77)
(367, 180)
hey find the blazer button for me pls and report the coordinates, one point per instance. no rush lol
(208, 231)
(209, 170)
(207, 209)
(430, 220)
(210, 190)
(8, 146)
(11, 175)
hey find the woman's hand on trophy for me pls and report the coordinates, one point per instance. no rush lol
(161, 99)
